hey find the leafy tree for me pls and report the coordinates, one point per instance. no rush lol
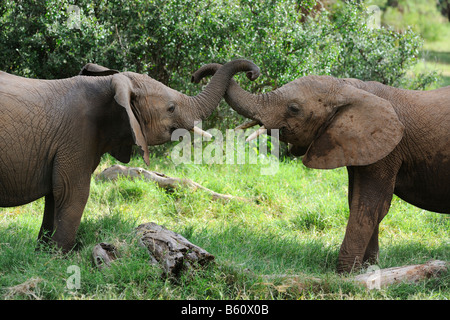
(169, 40)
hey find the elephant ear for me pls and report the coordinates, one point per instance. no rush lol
(95, 70)
(364, 129)
(123, 89)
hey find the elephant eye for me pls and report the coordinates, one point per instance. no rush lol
(171, 108)
(293, 108)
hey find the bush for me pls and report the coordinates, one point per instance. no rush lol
(169, 40)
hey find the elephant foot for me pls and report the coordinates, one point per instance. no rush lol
(50, 245)
(344, 268)
(356, 264)
(349, 265)
(371, 258)
(44, 240)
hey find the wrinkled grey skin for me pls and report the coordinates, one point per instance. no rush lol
(392, 141)
(54, 132)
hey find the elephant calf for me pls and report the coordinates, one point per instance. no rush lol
(54, 132)
(392, 141)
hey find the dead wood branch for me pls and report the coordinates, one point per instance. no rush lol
(103, 254)
(160, 179)
(377, 278)
(171, 250)
(27, 288)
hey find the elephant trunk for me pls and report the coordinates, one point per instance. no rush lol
(209, 98)
(243, 102)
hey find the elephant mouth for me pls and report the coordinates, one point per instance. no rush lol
(286, 135)
(283, 132)
(297, 151)
(194, 129)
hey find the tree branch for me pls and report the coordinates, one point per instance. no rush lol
(161, 180)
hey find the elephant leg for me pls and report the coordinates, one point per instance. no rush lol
(371, 254)
(68, 214)
(71, 192)
(47, 227)
(370, 193)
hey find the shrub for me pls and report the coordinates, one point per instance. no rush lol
(170, 39)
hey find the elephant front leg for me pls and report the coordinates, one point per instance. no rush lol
(370, 193)
(47, 227)
(70, 193)
(67, 219)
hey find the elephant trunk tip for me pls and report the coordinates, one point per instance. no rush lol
(253, 74)
(211, 68)
(210, 97)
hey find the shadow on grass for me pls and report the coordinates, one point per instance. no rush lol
(267, 253)
(258, 250)
(22, 237)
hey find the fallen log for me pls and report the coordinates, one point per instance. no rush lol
(171, 250)
(376, 278)
(103, 254)
(163, 181)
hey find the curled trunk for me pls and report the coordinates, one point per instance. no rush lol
(205, 102)
(243, 102)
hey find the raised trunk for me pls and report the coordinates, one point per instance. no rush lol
(243, 102)
(205, 102)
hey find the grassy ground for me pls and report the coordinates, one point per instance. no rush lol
(268, 248)
(265, 249)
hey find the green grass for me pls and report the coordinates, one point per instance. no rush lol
(435, 56)
(294, 226)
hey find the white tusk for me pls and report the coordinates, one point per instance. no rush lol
(247, 125)
(199, 131)
(256, 134)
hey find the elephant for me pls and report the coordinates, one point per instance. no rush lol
(53, 134)
(391, 141)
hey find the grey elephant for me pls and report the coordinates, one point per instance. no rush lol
(54, 132)
(392, 141)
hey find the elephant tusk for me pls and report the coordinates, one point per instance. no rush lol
(199, 131)
(247, 125)
(256, 134)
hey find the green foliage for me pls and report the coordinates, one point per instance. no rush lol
(371, 52)
(169, 40)
(36, 39)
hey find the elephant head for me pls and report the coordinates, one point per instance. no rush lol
(330, 121)
(155, 110)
